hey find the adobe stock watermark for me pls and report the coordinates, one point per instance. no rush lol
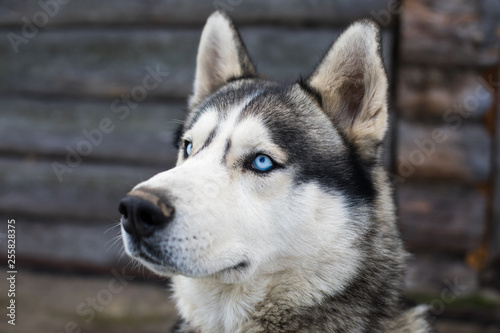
(89, 309)
(453, 119)
(448, 295)
(120, 108)
(30, 28)
(202, 193)
(227, 5)
(384, 17)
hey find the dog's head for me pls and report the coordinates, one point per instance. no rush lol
(268, 175)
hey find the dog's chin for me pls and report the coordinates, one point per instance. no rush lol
(234, 274)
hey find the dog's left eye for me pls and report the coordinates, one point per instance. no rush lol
(188, 146)
(262, 163)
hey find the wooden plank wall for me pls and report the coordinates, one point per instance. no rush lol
(446, 102)
(72, 92)
(72, 79)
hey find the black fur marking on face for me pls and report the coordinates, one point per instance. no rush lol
(222, 100)
(303, 130)
(242, 77)
(209, 139)
(178, 136)
(226, 151)
(313, 144)
(310, 91)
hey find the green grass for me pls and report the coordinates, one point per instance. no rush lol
(475, 300)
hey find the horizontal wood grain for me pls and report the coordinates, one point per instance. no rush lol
(191, 12)
(448, 33)
(117, 63)
(140, 135)
(430, 92)
(89, 246)
(90, 192)
(454, 150)
(440, 216)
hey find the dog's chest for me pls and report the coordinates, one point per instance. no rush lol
(210, 306)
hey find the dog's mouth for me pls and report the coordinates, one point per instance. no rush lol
(161, 263)
(233, 273)
(150, 258)
(160, 266)
(144, 251)
(238, 267)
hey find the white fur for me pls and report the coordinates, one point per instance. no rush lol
(218, 58)
(295, 266)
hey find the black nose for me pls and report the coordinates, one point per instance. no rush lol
(143, 213)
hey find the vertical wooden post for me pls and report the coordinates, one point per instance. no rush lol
(490, 275)
(495, 230)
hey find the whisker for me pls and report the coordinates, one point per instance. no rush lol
(176, 121)
(115, 242)
(116, 225)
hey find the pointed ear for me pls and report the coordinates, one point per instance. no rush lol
(221, 57)
(353, 86)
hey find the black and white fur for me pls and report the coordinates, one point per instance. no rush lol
(309, 246)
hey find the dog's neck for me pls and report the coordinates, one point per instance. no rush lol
(213, 306)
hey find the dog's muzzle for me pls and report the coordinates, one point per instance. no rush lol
(144, 212)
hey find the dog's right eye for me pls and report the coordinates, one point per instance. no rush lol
(188, 146)
(262, 163)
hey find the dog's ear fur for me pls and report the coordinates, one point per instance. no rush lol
(352, 82)
(221, 56)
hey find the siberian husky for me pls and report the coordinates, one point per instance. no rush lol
(279, 216)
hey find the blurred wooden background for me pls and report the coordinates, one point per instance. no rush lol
(79, 127)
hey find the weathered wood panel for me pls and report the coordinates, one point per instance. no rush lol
(441, 216)
(447, 33)
(495, 238)
(117, 63)
(88, 192)
(430, 92)
(102, 63)
(429, 273)
(92, 245)
(140, 135)
(191, 12)
(456, 150)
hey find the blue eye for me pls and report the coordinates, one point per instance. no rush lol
(188, 147)
(262, 163)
